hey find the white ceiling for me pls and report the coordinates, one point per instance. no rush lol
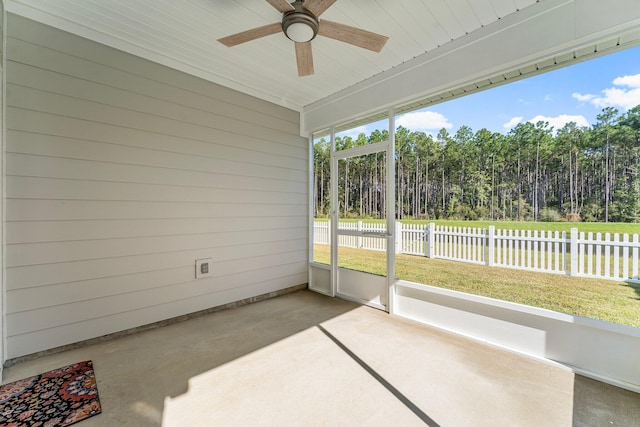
(437, 49)
(183, 33)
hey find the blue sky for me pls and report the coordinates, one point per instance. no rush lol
(575, 93)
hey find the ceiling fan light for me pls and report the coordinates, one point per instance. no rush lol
(300, 25)
(300, 32)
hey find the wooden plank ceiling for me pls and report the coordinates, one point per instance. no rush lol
(183, 33)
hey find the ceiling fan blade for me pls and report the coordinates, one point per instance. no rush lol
(249, 35)
(281, 5)
(304, 58)
(317, 7)
(352, 35)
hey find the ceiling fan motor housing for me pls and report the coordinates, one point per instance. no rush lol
(300, 25)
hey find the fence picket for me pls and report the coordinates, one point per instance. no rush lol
(550, 250)
(541, 252)
(544, 251)
(498, 234)
(465, 244)
(565, 267)
(504, 250)
(510, 243)
(522, 246)
(581, 247)
(625, 256)
(556, 251)
(598, 255)
(616, 256)
(453, 238)
(505, 247)
(464, 251)
(607, 250)
(536, 253)
(473, 245)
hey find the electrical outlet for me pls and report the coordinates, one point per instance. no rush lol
(203, 267)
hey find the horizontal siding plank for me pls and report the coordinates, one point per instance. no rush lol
(24, 344)
(25, 254)
(19, 28)
(32, 99)
(80, 230)
(127, 90)
(73, 271)
(57, 315)
(67, 189)
(64, 293)
(69, 210)
(226, 158)
(62, 168)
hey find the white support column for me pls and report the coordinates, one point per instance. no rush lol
(391, 211)
(333, 231)
(310, 213)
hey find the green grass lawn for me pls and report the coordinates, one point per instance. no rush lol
(595, 227)
(600, 299)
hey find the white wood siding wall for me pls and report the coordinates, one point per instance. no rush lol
(120, 174)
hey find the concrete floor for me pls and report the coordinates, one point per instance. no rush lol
(305, 359)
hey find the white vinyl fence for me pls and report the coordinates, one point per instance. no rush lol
(598, 255)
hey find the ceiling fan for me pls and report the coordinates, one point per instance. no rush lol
(300, 24)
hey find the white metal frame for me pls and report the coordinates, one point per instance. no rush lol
(388, 147)
(314, 267)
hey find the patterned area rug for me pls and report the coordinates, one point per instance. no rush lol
(56, 398)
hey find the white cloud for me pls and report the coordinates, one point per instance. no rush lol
(423, 121)
(558, 122)
(513, 122)
(631, 81)
(615, 97)
(626, 95)
(548, 98)
(583, 98)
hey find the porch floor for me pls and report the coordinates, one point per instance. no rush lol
(306, 359)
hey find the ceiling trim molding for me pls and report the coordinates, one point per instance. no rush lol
(537, 33)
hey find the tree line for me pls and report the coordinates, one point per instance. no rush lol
(531, 173)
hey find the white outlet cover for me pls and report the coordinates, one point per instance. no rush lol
(204, 267)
